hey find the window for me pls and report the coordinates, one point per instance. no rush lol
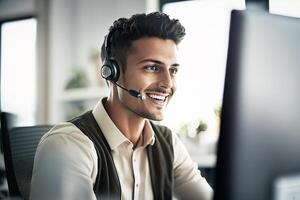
(18, 69)
(285, 7)
(203, 59)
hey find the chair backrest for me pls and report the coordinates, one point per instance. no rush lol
(19, 145)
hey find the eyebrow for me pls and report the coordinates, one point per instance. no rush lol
(157, 62)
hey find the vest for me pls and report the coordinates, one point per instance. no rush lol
(160, 156)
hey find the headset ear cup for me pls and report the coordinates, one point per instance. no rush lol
(116, 68)
(110, 70)
(105, 70)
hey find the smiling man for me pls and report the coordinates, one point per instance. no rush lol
(115, 151)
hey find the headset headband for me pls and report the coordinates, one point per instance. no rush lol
(107, 44)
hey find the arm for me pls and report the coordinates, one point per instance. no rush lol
(188, 183)
(64, 167)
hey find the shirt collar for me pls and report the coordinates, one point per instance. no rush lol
(111, 132)
(148, 134)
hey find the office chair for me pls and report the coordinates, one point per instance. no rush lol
(19, 147)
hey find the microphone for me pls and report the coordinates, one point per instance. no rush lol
(133, 93)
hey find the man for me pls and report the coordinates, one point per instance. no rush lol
(114, 151)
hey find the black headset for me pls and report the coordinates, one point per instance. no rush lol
(110, 69)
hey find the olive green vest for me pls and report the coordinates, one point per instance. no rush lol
(160, 155)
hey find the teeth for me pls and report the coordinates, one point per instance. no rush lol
(157, 97)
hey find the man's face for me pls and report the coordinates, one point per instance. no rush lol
(151, 69)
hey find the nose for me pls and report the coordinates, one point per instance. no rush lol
(166, 80)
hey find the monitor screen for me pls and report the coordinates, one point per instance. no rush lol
(259, 144)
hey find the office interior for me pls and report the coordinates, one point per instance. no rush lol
(50, 61)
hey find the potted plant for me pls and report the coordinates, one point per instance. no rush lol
(201, 129)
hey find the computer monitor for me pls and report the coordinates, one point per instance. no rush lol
(259, 145)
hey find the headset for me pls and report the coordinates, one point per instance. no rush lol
(110, 69)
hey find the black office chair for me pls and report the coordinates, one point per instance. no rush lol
(19, 147)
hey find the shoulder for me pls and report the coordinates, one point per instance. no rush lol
(64, 155)
(66, 137)
(65, 144)
(68, 131)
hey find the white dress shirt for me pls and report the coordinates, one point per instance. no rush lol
(66, 164)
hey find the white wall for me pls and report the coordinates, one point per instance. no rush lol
(61, 49)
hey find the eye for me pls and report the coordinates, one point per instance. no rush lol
(173, 71)
(152, 68)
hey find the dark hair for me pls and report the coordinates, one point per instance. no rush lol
(126, 30)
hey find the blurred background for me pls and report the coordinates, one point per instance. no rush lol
(50, 61)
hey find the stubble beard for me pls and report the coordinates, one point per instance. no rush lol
(147, 114)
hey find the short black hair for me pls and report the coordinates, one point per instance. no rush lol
(126, 30)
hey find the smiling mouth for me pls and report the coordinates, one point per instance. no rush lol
(158, 97)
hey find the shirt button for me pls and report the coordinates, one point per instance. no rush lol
(136, 185)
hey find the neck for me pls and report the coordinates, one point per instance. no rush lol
(130, 124)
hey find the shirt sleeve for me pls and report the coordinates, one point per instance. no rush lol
(65, 166)
(188, 182)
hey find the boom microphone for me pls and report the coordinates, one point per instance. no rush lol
(133, 93)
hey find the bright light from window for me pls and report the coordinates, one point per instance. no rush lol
(285, 7)
(18, 69)
(203, 59)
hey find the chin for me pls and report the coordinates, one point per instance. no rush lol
(157, 119)
(151, 116)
